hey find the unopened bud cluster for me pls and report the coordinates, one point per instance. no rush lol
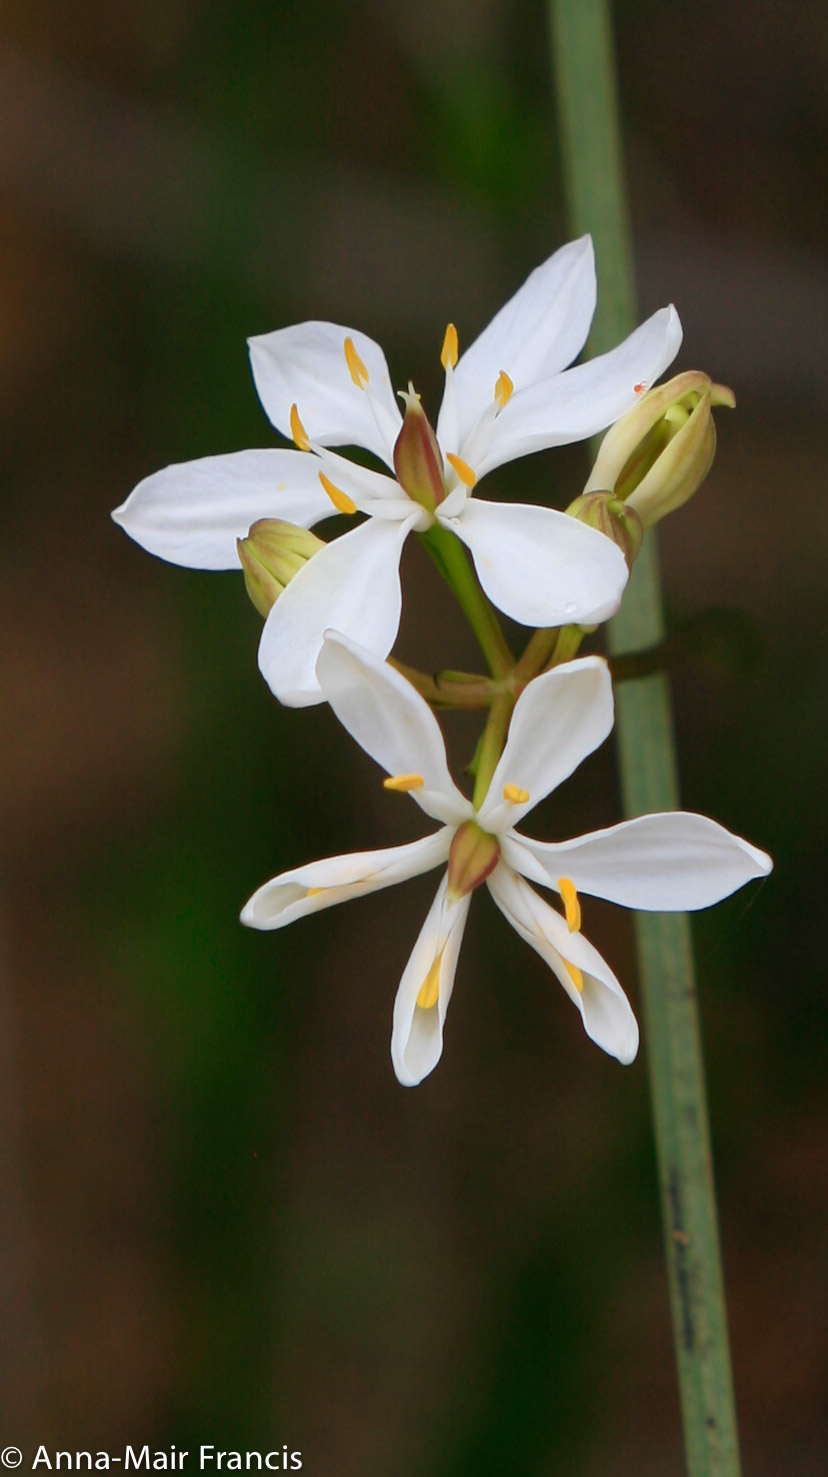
(271, 555)
(657, 455)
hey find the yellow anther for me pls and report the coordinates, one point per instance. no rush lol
(356, 368)
(463, 470)
(297, 430)
(314, 891)
(341, 501)
(429, 991)
(404, 782)
(515, 794)
(503, 389)
(575, 975)
(571, 902)
(450, 351)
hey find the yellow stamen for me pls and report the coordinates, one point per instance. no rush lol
(356, 368)
(297, 430)
(314, 891)
(571, 902)
(450, 349)
(404, 782)
(429, 992)
(575, 975)
(515, 794)
(341, 501)
(462, 469)
(503, 389)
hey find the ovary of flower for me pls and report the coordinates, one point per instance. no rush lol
(670, 861)
(509, 394)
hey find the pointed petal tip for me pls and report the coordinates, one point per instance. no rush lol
(763, 862)
(406, 1078)
(628, 1048)
(675, 331)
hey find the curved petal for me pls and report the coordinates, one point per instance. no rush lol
(559, 718)
(193, 512)
(417, 1035)
(306, 366)
(353, 585)
(583, 400)
(534, 336)
(669, 862)
(605, 1010)
(391, 722)
(540, 566)
(337, 879)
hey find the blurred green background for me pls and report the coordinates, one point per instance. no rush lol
(223, 1219)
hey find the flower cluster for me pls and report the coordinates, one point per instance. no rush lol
(332, 612)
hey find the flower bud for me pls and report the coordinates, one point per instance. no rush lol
(417, 459)
(473, 857)
(619, 521)
(657, 455)
(271, 555)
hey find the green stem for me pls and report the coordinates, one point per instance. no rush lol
(453, 563)
(449, 689)
(567, 645)
(588, 121)
(539, 649)
(491, 744)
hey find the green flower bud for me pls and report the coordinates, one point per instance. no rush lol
(418, 462)
(618, 520)
(473, 857)
(271, 555)
(656, 456)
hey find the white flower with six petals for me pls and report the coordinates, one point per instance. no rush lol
(509, 394)
(676, 861)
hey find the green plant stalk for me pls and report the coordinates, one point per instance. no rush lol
(453, 563)
(491, 745)
(584, 67)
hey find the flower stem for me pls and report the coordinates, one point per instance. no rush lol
(538, 652)
(449, 689)
(491, 744)
(453, 563)
(588, 121)
(567, 645)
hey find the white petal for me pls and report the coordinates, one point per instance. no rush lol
(559, 718)
(391, 722)
(305, 366)
(353, 585)
(605, 1010)
(336, 879)
(193, 512)
(672, 862)
(583, 400)
(417, 1036)
(535, 335)
(540, 566)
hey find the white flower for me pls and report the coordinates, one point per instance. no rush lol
(671, 861)
(509, 394)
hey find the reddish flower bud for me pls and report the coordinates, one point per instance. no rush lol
(473, 857)
(417, 459)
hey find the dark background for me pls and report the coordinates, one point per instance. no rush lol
(223, 1219)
